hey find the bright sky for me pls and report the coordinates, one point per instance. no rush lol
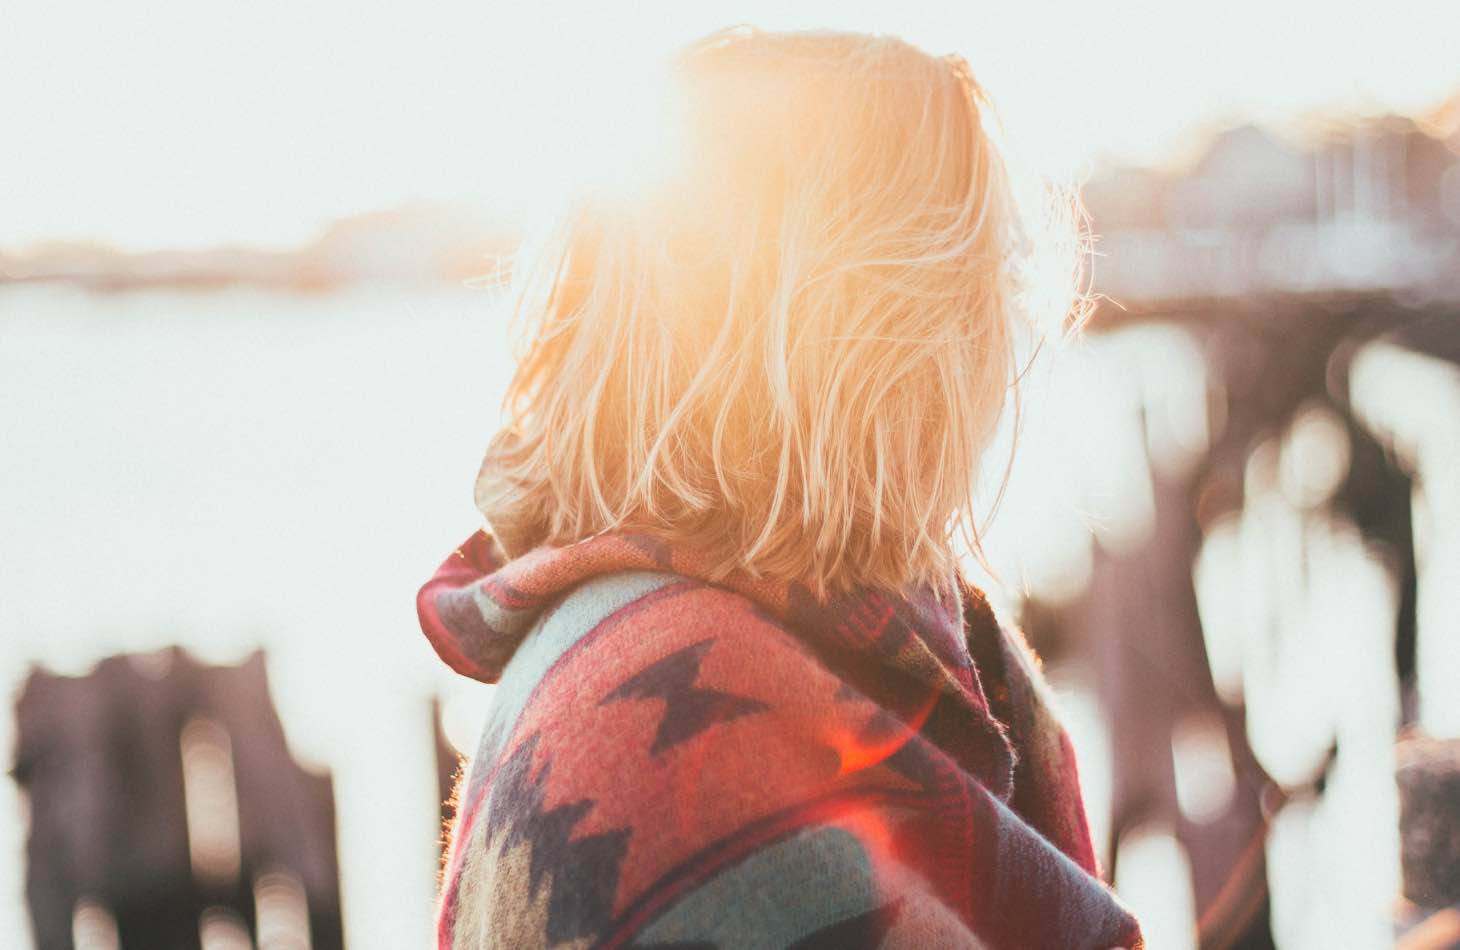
(176, 123)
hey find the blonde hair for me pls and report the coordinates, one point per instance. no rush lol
(792, 353)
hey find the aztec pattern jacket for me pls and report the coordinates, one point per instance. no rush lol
(671, 762)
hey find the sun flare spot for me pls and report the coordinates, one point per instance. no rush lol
(857, 750)
(617, 136)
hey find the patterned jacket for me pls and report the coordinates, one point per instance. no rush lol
(671, 762)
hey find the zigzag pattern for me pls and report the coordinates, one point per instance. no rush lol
(688, 709)
(583, 874)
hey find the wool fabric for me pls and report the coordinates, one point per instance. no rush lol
(676, 760)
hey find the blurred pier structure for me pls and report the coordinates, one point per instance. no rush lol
(1374, 205)
(1288, 605)
(167, 814)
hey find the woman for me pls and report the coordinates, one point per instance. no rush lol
(744, 698)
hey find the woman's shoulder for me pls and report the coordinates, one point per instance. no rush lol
(668, 728)
(642, 665)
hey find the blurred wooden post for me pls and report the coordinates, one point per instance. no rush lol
(1428, 773)
(1429, 820)
(167, 812)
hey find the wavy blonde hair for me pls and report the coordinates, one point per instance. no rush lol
(793, 351)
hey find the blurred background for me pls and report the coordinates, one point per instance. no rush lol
(247, 366)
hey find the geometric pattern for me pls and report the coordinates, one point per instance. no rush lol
(583, 874)
(688, 709)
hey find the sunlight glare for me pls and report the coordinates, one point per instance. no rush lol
(617, 138)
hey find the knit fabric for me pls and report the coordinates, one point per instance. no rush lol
(671, 762)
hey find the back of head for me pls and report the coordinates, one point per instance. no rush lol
(792, 350)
